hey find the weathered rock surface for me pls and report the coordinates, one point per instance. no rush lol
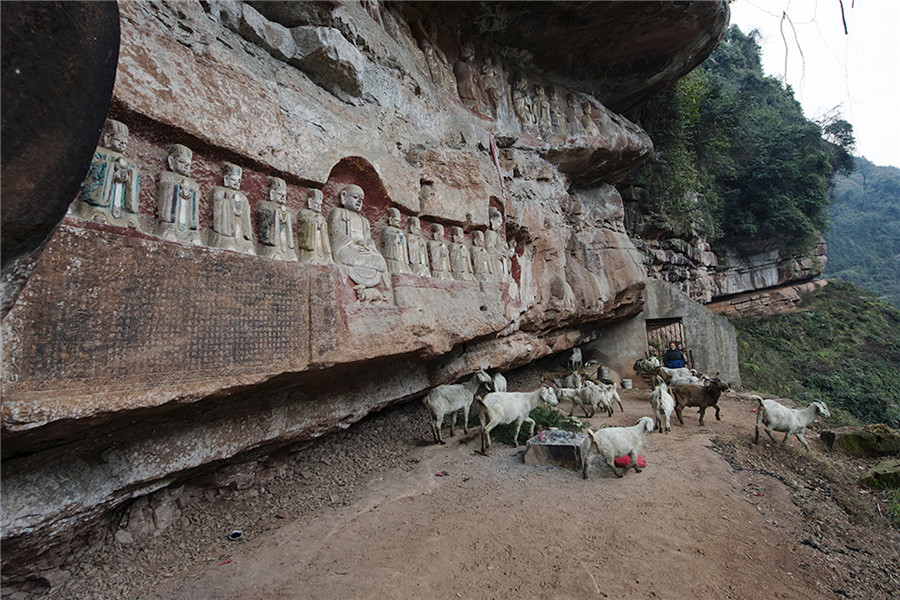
(56, 93)
(871, 440)
(131, 363)
(770, 301)
(884, 474)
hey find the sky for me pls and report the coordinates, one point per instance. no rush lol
(857, 73)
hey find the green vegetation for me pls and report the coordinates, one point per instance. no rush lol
(735, 157)
(864, 238)
(544, 417)
(843, 349)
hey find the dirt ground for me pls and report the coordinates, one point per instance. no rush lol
(377, 511)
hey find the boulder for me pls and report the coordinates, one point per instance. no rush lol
(558, 448)
(885, 474)
(871, 440)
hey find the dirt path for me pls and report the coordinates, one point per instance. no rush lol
(689, 526)
(363, 514)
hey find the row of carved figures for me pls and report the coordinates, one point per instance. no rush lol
(482, 86)
(542, 110)
(110, 194)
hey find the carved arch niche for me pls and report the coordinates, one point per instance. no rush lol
(358, 171)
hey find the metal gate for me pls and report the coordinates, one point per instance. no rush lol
(662, 331)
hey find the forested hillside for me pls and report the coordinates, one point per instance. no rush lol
(735, 158)
(864, 237)
(843, 348)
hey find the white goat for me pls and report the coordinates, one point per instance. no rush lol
(500, 408)
(793, 421)
(663, 404)
(575, 359)
(450, 399)
(587, 395)
(618, 441)
(608, 391)
(668, 375)
(677, 380)
(573, 380)
(498, 382)
(645, 366)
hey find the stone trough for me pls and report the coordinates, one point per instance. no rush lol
(558, 448)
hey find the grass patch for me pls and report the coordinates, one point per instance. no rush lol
(544, 417)
(842, 349)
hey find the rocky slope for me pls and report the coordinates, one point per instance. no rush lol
(133, 361)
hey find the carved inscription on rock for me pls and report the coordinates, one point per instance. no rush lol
(133, 315)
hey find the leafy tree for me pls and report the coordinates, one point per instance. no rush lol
(735, 157)
(864, 237)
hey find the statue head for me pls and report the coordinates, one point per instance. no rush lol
(478, 238)
(495, 218)
(277, 190)
(115, 135)
(351, 197)
(314, 200)
(428, 50)
(587, 108)
(232, 175)
(457, 234)
(426, 193)
(413, 225)
(468, 52)
(393, 217)
(437, 231)
(179, 159)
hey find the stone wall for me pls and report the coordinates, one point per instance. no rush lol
(710, 338)
(138, 354)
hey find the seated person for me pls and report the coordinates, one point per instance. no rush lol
(673, 358)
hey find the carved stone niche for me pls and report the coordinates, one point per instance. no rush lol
(110, 191)
(357, 204)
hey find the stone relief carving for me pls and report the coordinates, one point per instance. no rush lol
(393, 244)
(557, 120)
(497, 249)
(522, 104)
(438, 254)
(491, 81)
(541, 107)
(481, 266)
(468, 81)
(232, 227)
(587, 121)
(460, 257)
(351, 240)
(438, 67)
(398, 28)
(574, 116)
(418, 249)
(276, 234)
(426, 197)
(178, 199)
(109, 193)
(374, 10)
(313, 241)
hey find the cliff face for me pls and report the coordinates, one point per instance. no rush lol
(741, 266)
(143, 346)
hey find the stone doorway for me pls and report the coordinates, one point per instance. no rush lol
(662, 331)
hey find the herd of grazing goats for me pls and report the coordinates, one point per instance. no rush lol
(674, 390)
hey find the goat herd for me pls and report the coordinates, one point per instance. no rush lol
(675, 389)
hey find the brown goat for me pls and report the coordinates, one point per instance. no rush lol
(703, 396)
